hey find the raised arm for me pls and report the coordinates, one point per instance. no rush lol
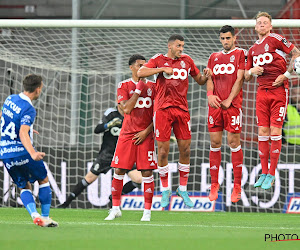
(281, 78)
(145, 71)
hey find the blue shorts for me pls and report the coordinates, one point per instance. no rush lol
(23, 169)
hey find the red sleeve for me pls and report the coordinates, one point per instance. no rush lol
(194, 70)
(209, 62)
(122, 92)
(242, 60)
(249, 60)
(152, 63)
(283, 44)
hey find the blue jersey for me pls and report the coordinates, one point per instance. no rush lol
(17, 110)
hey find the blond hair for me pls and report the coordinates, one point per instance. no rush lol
(265, 14)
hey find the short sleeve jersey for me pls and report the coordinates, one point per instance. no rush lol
(142, 114)
(270, 53)
(17, 110)
(225, 67)
(171, 90)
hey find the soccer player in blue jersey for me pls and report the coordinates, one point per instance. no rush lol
(22, 161)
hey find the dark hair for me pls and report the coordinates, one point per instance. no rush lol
(32, 82)
(227, 28)
(134, 58)
(175, 37)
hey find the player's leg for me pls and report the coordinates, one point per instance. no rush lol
(162, 126)
(97, 168)
(263, 122)
(136, 180)
(215, 162)
(182, 131)
(123, 160)
(237, 164)
(148, 184)
(278, 108)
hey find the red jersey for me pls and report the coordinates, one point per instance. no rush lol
(270, 53)
(225, 67)
(142, 114)
(171, 90)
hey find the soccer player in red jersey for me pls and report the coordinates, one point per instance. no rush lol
(224, 92)
(267, 61)
(136, 140)
(171, 110)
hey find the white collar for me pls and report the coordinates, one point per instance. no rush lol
(25, 97)
(229, 51)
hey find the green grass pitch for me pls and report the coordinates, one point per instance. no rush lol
(86, 229)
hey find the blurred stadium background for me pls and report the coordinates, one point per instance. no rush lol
(79, 89)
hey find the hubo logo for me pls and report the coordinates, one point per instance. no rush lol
(262, 59)
(143, 102)
(177, 74)
(223, 69)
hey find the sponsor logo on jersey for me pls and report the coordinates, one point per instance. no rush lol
(262, 59)
(156, 133)
(232, 58)
(278, 119)
(143, 102)
(181, 74)
(26, 119)
(182, 64)
(224, 69)
(237, 128)
(120, 97)
(149, 92)
(166, 64)
(152, 164)
(294, 205)
(16, 163)
(286, 43)
(267, 47)
(116, 160)
(216, 59)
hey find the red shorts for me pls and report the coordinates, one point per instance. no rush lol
(229, 119)
(271, 106)
(165, 119)
(126, 154)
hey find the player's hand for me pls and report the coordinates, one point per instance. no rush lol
(37, 156)
(139, 137)
(114, 122)
(168, 70)
(279, 80)
(225, 104)
(207, 72)
(140, 86)
(35, 132)
(214, 101)
(257, 70)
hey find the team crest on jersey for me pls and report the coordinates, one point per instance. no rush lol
(232, 58)
(149, 92)
(267, 47)
(182, 63)
(211, 119)
(157, 133)
(116, 160)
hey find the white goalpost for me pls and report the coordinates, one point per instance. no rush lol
(81, 62)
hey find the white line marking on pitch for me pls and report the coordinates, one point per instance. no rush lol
(153, 225)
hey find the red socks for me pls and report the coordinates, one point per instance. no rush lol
(164, 174)
(275, 152)
(116, 189)
(148, 183)
(264, 150)
(237, 163)
(215, 162)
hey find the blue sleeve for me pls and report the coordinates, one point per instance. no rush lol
(28, 116)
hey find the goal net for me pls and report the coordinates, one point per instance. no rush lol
(81, 65)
